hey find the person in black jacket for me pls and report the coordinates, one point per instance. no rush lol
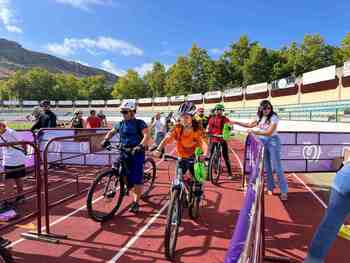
(47, 119)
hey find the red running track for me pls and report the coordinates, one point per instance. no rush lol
(126, 238)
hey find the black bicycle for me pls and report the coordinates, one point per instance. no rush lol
(5, 254)
(215, 168)
(108, 189)
(184, 193)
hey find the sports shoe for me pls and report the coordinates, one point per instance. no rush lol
(134, 208)
(20, 199)
(284, 197)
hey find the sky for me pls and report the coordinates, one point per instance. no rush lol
(116, 35)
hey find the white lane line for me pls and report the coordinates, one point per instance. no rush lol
(238, 159)
(311, 191)
(69, 215)
(138, 235)
(59, 220)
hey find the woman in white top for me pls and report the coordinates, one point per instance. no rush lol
(13, 161)
(267, 122)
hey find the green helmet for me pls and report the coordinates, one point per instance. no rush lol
(219, 106)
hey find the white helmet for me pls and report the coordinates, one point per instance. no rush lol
(128, 105)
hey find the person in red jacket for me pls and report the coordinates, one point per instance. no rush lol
(93, 121)
(215, 127)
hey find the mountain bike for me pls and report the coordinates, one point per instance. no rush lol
(215, 162)
(5, 255)
(184, 193)
(109, 188)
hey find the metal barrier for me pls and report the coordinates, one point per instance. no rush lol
(36, 164)
(94, 141)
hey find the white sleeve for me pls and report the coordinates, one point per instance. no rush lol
(275, 119)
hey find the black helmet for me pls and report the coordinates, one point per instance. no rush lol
(187, 108)
(45, 103)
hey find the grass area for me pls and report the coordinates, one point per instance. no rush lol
(19, 125)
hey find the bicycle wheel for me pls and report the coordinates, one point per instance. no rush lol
(5, 256)
(172, 224)
(149, 175)
(105, 196)
(215, 168)
(194, 208)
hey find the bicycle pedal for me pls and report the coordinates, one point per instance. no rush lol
(111, 194)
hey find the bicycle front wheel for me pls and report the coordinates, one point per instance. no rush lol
(149, 175)
(172, 224)
(105, 196)
(5, 256)
(215, 168)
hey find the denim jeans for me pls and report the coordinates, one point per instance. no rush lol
(272, 159)
(159, 137)
(336, 213)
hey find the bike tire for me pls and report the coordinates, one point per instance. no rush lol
(118, 187)
(172, 228)
(5, 256)
(194, 208)
(215, 168)
(149, 176)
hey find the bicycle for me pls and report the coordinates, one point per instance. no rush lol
(215, 165)
(111, 185)
(5, 254)
(182, 194)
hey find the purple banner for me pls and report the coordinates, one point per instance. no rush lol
(253, 151)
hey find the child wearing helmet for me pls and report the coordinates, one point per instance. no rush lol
(133, 133)
(188, 136)
(215, 127)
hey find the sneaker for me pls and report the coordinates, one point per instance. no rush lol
(20, 199)
(284, 197)
(134, 208)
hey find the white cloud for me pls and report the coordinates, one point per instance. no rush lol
(93, 46)
(7, 17)
(144, 68)
(84, 4)
(83, 63)
(167, 66)
(141, 70)
(217, 51)
(109, 66)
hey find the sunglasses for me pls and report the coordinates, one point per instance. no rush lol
(124, 112)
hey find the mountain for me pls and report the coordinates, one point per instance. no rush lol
(13, 57)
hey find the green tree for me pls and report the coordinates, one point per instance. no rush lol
(237, 54)
(155, 80)
(314, 54)
(345, 47)
(179, 78)
(39, 84)
(220, 77)
(130, 86)
(257, 67)
(201, 67)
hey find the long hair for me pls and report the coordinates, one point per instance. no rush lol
(260, 113)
